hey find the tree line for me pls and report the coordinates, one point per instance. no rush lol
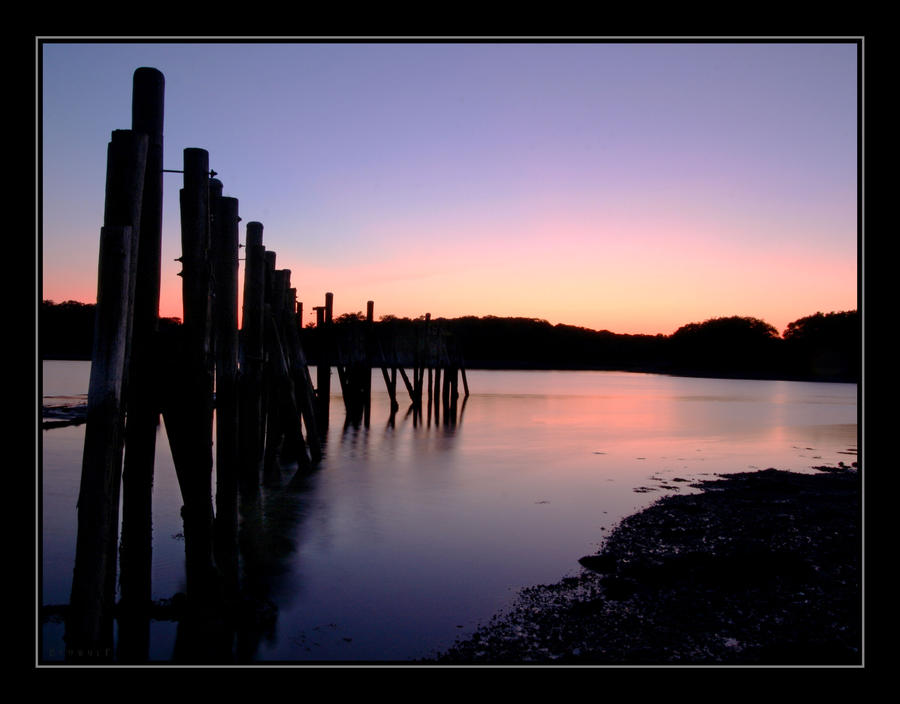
(822, 346)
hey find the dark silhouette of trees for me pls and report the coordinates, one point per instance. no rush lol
(66, 330)
(823, 347)
(350, 318)
(732, 345)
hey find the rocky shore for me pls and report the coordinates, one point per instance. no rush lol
(759, 568)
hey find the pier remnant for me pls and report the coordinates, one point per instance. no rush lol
(142, 398)
(89, 628)
(252, 359)
(253, 383)
(188, 412)
(225, 242)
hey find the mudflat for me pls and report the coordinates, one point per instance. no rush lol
(759, 568)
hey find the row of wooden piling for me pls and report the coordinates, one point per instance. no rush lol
(255, 382)
(126, 321)
(253, 379)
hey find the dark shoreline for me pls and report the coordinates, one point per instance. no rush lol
(760, 568)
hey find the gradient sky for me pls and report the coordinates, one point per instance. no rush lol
(633, 187)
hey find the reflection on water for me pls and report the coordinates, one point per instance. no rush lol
(412, 531)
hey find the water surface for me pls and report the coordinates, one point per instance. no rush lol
(412, 534)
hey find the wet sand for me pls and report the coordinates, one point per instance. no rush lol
(759, 568)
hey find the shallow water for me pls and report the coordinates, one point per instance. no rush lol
(407, 537)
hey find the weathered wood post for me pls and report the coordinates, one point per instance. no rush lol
(303, 386)
(429, 354)
(288, 415)
(285, 317)
(274, 432)
(454, 392)
(89, 628)
(250, 419)
(321, 399)
(369, 353)
(445, 394)
(323, 366)
(266, 404)
(142, 398)
(189, 412)
(225, 269)
(409, 387)
(437, 393)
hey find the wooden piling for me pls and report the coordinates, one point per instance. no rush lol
(286, 418)
(369, 355)
(437, 394)
(124, 198)
(89, 624)
(284, 439)
(428, 362)
(189, 420)
(303, 387)
(89, 627)
(142, 398)
(445, 395)
(323, 364)
(274, 432)
(225, 269)
(454, 393)
(298, 369)
(409, 387)
(266, 405)
(250, 419)
(322, 373)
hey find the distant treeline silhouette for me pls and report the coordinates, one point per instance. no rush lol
(823, 346)
(66, 330)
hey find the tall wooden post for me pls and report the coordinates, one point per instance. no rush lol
(89, 631)
(320, 365)
(286, 414)
(445, 393)
(275, 420)
(266, 417)
(454, 393)
(252, 360)
(188, 415)
(369, 351)
(323, 366)
(142, 397)
(299, 369)
(225, 268)
(437, 394)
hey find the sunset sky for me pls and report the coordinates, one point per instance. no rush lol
(633, 187)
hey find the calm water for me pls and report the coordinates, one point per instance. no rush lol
(410, 536)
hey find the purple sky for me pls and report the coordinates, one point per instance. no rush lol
(621, 186)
